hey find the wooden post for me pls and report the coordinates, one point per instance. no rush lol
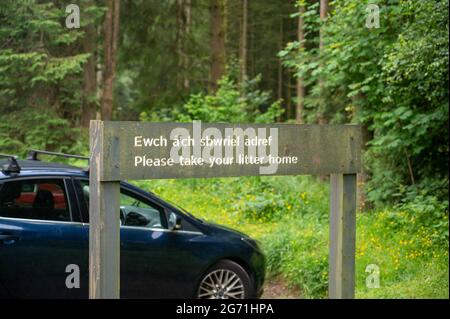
(341, 281)
(104, 230)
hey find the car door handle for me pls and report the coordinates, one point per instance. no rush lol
(8, 239)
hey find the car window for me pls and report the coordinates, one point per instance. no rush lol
(42, 199)
(134, 210)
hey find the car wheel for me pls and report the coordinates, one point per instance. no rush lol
(225, 280)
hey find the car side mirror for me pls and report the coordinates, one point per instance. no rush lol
(174, 222)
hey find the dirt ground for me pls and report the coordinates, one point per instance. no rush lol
(277, 288)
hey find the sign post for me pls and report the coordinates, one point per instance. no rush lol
(139, 150)
(341, 275)
(104, 222)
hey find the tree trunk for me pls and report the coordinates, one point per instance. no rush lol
(323, 15)
(363, 176)
(251, 61)
(322, 116)
(111, 33)
(187, 30)
(217, 43)
(299, 116)
(88, 107)
(243, 43)
(280, 61)
(289, 86)
(178, 42)
(184, 18)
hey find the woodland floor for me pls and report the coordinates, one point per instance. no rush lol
(277, 288)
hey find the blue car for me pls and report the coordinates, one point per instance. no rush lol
(165, 251)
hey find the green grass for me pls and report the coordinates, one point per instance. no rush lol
(289, 215)
(412, 262)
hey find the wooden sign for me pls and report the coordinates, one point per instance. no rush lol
(139, 150)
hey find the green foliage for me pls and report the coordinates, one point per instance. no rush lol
(271, 199)
(426, 211)
(149, 57)
(297, 249)
(41, 67)
(34, 57)
(306, 63)
(261, 207)
(393, 79)
(154, 46)
(232, 103)
(410, 123)
(45, 130)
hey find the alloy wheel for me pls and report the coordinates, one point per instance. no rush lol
(221, 284)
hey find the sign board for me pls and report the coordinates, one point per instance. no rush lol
(142, 150)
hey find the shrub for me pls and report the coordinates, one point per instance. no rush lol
(231, 103)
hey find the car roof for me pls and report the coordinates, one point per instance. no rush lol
(37, 167)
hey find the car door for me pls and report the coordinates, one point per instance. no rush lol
(41, 234)
(156, 262)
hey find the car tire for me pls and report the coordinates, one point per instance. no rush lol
(225, 280)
